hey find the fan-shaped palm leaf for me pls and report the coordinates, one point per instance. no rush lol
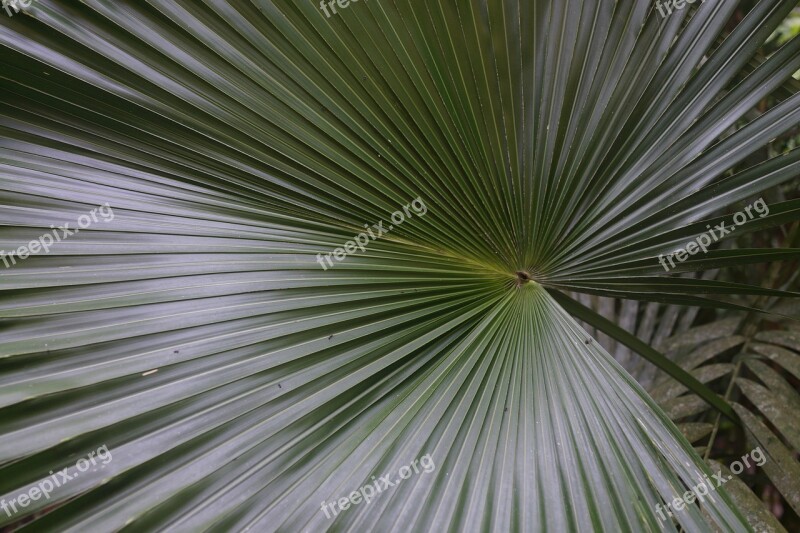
(238, 379)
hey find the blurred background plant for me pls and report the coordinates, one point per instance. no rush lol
(752, 359)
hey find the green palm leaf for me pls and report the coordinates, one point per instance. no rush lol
(238, 383)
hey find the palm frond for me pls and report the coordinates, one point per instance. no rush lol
(239, 381)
